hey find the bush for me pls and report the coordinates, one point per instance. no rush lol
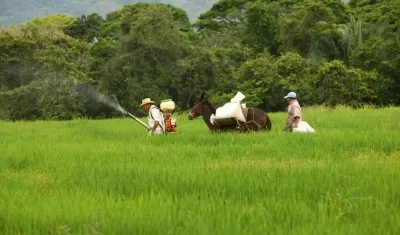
(20, 104)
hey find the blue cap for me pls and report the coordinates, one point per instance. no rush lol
(291, 95)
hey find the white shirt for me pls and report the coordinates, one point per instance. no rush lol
(155, 115)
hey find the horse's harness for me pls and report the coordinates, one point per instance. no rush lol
(251, 121)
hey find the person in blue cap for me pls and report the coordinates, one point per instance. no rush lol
(294, 112)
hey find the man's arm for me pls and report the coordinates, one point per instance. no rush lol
(156, 117)
(156, 124)
(296, 114)
(296, 122)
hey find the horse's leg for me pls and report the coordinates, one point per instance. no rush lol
(256, 124)
(262, 120)
(268, 123)
(211, 129)
(250, 127)
(243, 127)
(262, 123)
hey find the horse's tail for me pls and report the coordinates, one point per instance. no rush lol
(268, 126)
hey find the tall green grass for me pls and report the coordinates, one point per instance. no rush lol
(110, 177)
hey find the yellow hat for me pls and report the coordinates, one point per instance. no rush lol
(146, 101)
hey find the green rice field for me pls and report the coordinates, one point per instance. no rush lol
(110, 177)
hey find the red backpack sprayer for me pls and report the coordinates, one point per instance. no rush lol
(168, 107)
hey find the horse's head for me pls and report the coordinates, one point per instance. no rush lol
(196, 110)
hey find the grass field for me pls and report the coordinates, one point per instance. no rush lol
(110, 177)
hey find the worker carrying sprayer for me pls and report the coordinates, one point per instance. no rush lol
(160, 121)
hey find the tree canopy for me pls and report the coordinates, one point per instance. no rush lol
(329, 52)
(19, 11)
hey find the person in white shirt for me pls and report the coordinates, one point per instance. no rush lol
(155, 118)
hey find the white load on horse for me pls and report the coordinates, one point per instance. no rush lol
(231, 113)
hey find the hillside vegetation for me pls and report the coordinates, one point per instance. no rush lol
(328, 52)
(19, 11)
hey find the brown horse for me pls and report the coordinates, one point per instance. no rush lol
(256, 118)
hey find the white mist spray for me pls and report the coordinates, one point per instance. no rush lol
(112, 103)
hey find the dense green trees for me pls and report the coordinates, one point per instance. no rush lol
(328, 52)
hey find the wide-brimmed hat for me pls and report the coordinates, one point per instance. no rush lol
(291, 95)
(146, 101)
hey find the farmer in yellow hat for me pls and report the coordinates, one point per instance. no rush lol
(155, 118)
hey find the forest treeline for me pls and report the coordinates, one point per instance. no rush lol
(329, 52)
(19, 11)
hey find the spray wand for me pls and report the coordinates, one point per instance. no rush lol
(123, 111)
(137, 119)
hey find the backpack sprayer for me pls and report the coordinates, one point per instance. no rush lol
(167, 106)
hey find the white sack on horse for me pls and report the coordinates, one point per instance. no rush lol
(238, 97)
(304, 127)
(232, 109)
